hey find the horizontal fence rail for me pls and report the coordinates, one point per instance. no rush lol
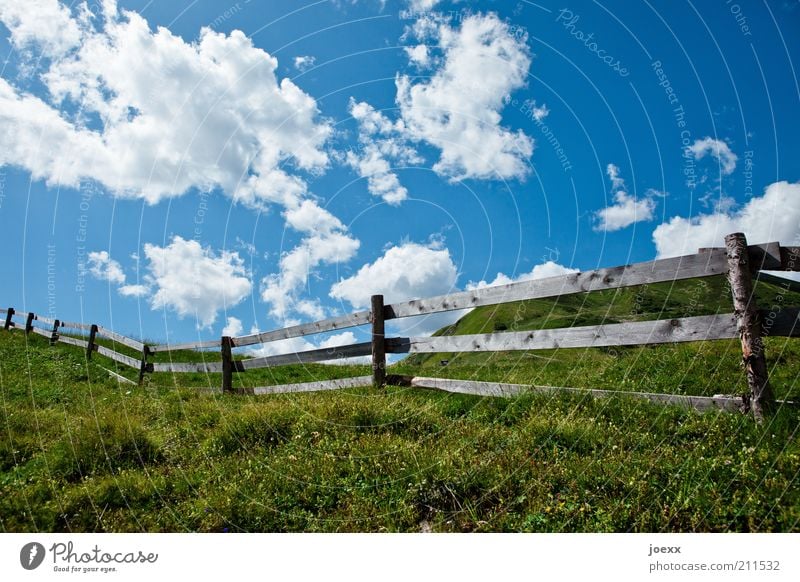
(738, 261)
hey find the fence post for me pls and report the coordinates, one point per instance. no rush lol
(378, 343)
(9, 315)
(90, 346)
(760, 398)
(29, 322)
(143, 365)
(54, 334)
(227, 365)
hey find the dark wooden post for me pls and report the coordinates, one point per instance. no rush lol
(227, 364)
(54, 334)
(9, 315)
(92, 336)
(378, 343)
(143, 365)
(29, 322)
(748, 322)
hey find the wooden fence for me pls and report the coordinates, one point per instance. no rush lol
(738, 261)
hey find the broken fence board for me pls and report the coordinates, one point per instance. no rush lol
(701, 403)
(705, 327)
(704, 264)
(356, 382)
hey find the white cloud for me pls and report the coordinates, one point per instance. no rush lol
(418, 55)
(775, 216)
(404, 272)
(541, 271)
(233, 327)
(380, 142)
(193, 280)
(626, 209)
(169, 115)
(303, 63)
(718, 149)
(134, 290)
(103, 267)
(459, 109)
(46, 24)
(617, 183)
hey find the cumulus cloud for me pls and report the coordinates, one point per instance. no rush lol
(626, 209)
(303, 63)
(775, 216)
(541, 271)
(458, 110)
(233, 327)
(103, 267)
(381, 144)
(718, 149)
(193, 280)
(148, 115)
(134, 290)
(406, 271)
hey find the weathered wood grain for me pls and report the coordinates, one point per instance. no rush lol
(321, 355)
(334, 323)
(701, 403)
(184, 346)
(706, 264)
(73, 341)
(117, 357)
(748, 324)
(202, 367)
(121, 339)
(704, 327)
(356, 382)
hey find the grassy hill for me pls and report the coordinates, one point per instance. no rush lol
(81, 452)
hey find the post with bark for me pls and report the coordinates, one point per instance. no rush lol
(92, 337)
(227, 364)
(9, 315)
(54, 333)
(378, 343)
(29, 322)
(760, 398)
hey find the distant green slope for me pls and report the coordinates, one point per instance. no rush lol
(703, 368)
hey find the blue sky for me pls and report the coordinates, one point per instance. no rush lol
(175, 168)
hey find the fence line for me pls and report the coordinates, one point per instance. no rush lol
(740, 262)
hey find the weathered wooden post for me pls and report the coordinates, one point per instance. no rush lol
(90, 345)
(378, 343)
(748, 323)
(9, 315)
(227, 364)
(29, 322)
(54, 333)
(143, 364)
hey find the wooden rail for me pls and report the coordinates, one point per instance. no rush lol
(738, 261)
